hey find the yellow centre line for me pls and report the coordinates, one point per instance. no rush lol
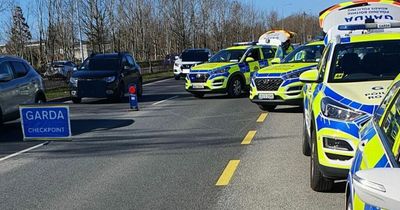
(262, 117)
(249, 137)
(227, 174)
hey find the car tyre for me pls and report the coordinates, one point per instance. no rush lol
(177, 77)
(268, 108)
(40, 99)
(198, 95)
(140, 88)
(318, 182)
(306, 139)
(235, 87)
(76, 100)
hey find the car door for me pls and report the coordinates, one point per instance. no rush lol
(9, 90)
(254, 65)
(309, 88)
(378, 152)
(134, 68)
(26, 84)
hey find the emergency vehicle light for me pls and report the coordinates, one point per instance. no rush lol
(367, 26)
(244, 43)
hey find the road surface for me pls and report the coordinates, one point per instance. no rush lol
(177, 152)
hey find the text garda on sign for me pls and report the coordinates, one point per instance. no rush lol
(45, 122)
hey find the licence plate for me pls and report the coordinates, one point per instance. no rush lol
(267, 96)
(198, 86)
(186, 71)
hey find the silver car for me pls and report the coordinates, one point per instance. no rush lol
(19, 84)
(62, 69)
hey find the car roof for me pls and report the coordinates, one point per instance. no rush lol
(108, 55)
(374, 37)
(315, 43)
(10, 57)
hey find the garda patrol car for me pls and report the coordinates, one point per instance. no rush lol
(358, 64)
(379, 148)
(280, 84)
(229, 71)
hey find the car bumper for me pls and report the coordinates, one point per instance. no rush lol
(294, 102)
(214, 85)
(94, 89)
(335, 163)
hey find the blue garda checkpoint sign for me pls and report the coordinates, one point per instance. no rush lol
(45, 122)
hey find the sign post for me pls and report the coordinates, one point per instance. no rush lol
(133, 102)
(45, 122)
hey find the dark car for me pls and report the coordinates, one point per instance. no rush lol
(105, 76)
(19, 84)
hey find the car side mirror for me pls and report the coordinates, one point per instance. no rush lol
(275, 61)
(378, 187)
(310, 76)
(249, 59)
(5, 77)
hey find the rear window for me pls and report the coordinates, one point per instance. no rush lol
(195, 55)
(101, 64)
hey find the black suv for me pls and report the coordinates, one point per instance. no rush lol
(105, 76)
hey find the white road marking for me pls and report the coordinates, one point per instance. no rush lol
(165, 100)
(22, 151)
(152, 83)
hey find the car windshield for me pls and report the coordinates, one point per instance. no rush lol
(101, 64)
(195, 55)
(228, 56)
(366, 61)
(305, 54)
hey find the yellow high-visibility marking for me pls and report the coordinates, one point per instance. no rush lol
(227, 174)
(262, 117)
(249, 137)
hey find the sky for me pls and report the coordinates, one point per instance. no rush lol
(288, 7)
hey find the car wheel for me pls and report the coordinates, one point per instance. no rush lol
(76, 100)
(177, 77)
(1, 117)
(235, 87)
(40, 99)
(268, 108)
(306, 140)
(198, 95)
(349, 203)
(318, 182)
(140, 88)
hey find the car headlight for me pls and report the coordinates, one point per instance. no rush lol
(221, 70)
(334, 110)
(73, 81)
(110, 79)
(176, 64)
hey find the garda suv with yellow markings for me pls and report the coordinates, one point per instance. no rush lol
(373, 180)
(359, 63)
(279, 84)
(229, 71)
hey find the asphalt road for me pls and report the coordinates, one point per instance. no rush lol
(169, 155)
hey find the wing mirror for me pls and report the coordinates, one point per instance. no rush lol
(5, 77)
(378, 187)
(276, 61)
(310, 76)
(250, 59)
